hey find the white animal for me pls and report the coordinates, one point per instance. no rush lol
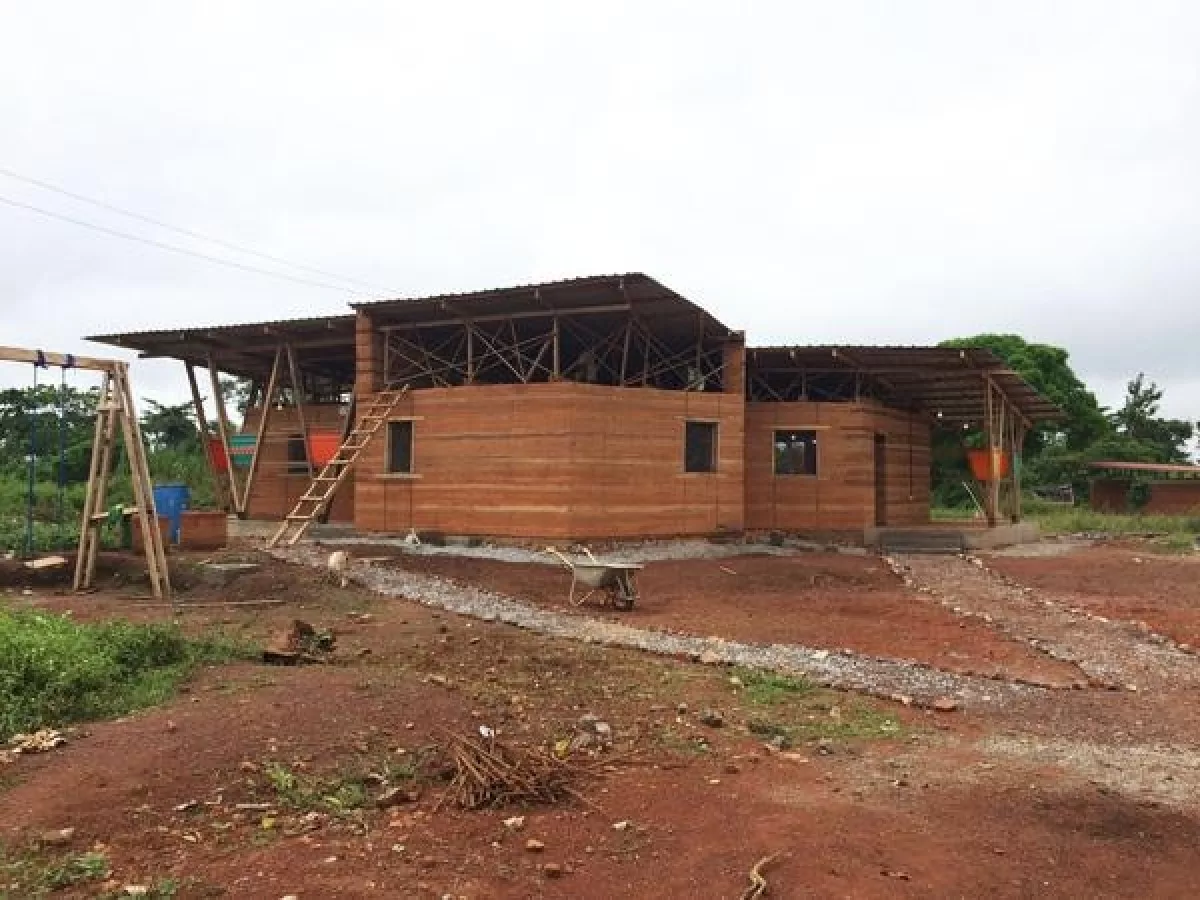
(337, 567)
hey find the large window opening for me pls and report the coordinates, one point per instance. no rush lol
(795, 452)
(400, 447)
(700, 447)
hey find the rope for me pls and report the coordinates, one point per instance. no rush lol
(62, 449)
(31, 497)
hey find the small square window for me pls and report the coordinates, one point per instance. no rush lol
(700, 447)
(795, 453)
(297, 455)
(400, 447)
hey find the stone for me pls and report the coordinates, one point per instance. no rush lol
(552, 870)
(515, 822)
(945, 704)
(56, 838)
(709, 658)
(534, 846)
(712, 718)
(397, 795)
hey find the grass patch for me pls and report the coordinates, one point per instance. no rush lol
(33, 874)
(803, 712)
(54, 671)
(341, 794)
(769, 689)
(858, 721)
(1070, 520)
(1180, 531)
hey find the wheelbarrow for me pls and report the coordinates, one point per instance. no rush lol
(617, 580)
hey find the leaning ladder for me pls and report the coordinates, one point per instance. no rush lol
(318, 494)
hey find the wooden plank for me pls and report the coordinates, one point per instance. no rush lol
(267, 406)
(45, 357)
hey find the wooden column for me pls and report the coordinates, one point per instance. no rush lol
(557, 355)
(1018, 459)
(297, 399)
(220, 479)
(214, 377)
(992, 489)
(267, 401)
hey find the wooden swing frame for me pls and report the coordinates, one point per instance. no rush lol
(116, 410)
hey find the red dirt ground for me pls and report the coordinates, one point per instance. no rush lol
(819, 600)
(1120, 581)
(919, 814)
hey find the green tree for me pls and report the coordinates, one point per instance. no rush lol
(1139, 427)
(170, 427)
(49, 416)
(1048, 370)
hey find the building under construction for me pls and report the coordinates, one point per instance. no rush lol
(599, 407)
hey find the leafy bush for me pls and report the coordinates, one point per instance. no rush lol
(54, 670)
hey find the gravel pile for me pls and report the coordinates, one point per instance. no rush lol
(903, 681)
(1111, 654)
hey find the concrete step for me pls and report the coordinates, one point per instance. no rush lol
(921, 541)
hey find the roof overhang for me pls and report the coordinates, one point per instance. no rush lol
(322, 344)
(947, 383)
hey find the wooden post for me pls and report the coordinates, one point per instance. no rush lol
(470, 352)
(93, 501)
(214, 378)
(220, 479)
(1018, 459)
(297, 396)
(135, 449)
(268, 398)
(557, 351)
(625, 350)
(989, 497)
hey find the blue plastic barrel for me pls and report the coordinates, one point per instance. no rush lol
(171, 500)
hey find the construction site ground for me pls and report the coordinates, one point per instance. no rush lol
(257, 780)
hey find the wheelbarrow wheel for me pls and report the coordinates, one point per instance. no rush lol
(624, 593)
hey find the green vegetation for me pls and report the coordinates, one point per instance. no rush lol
(768, 689)
(1171, 534)
(54, 671)
(64, 418)
(341, 794)
(1059, 453)
(33, 874)
(802, 712)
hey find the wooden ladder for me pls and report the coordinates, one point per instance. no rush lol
(116, 410)
(318, 494)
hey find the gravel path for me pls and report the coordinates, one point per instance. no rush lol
(905, 682)
(649, 551)
(1113, 654)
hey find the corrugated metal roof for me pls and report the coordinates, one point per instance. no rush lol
(166, 333)
(946, 381)
(650, 299)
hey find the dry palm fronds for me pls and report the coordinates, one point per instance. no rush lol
(490, 773)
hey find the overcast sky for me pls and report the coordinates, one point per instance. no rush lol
(850, 172)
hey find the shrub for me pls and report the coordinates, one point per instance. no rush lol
(54, 671)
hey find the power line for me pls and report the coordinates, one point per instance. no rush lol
(187, 232)
(174, 249)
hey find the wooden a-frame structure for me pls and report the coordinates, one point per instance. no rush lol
(114, 411)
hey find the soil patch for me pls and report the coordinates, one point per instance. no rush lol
(817, 600)
(1120, 581)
